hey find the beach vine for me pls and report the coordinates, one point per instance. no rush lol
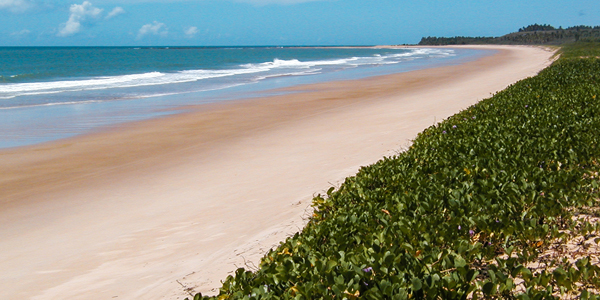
(499, 201)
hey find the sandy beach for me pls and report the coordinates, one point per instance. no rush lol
(162, 208)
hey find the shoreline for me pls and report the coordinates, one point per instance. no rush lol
(40, 118)
(145, 208)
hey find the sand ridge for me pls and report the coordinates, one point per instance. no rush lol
(152, 208)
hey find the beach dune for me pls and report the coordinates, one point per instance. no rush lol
(164, 208)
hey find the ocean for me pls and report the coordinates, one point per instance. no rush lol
(50, 93)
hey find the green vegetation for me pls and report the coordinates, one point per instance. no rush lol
(457, 40)
(480, 206)
(537, 27)
(581, 50)
(530, 35)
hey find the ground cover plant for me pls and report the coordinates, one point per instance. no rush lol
(584, 49)
(481, 205)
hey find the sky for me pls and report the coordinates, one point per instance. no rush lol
(274, 22)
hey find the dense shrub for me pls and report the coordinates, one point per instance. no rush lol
(463, 212)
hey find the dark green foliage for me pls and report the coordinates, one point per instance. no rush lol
(537, 27)
(457, 40)
(461, 213)
(530, 35)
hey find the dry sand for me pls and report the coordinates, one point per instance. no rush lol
(147, 209)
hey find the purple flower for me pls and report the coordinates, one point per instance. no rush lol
(473, 118)
(453, 126)
(471, 232)
(526, 106)
(459, 228)
(444, 132)
(368, 270)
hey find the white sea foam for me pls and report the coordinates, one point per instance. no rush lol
(246, 73)
(311, 72)
(52, 104)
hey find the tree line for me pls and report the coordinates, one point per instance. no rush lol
(535, 34)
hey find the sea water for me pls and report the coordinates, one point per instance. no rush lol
(49, 93)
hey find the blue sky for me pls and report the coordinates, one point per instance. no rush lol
(273, 22)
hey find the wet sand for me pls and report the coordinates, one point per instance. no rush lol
(150, 208)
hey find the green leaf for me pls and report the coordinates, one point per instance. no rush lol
(516, 271)
(331, 264)
(584, 295)
(416, 284)
(526, 273)
(488, 288)
(459, 262)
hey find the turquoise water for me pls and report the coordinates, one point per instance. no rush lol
(49, 93)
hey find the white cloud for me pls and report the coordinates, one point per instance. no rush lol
(154, 28)
(21, 33)
(15, 5)
(80, 13)
(192, 31)
(115, 12)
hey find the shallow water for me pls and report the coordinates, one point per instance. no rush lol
(52, 93)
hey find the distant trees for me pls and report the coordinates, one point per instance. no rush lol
(457, 40)
(535, 34)
(537, 27)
